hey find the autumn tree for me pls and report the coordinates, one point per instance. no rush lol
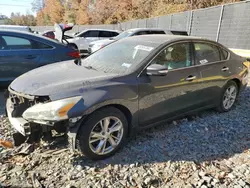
(196, 4)
(112, 11)
(53, 12)
(20, 19)
(82, 13)
(70, 8)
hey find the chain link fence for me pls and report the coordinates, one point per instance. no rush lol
(228, 24)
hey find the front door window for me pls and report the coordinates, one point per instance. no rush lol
(174, 57)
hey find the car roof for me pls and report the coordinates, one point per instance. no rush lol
(161, 38)
(145, 29)
(111, 30)
(16, 32)
(13, 26)
(28, 34)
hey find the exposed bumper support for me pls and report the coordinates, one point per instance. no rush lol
(20, 124)
(72, 133)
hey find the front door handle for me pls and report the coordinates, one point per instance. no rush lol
(225, 69)
(190, 78)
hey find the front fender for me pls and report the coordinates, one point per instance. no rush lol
(83, 109)
(94, 99)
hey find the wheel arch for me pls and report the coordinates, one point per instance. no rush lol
(124, 109)
(238, 83)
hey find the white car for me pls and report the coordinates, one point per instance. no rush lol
(96, 45)
(82, 39)
(15, 27)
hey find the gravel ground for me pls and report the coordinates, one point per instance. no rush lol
(209, 150)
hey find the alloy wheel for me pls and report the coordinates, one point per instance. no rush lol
(106, 135)
(229, 97)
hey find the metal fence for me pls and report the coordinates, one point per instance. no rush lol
(228, 24)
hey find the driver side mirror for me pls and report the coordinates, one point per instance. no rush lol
(157, 70)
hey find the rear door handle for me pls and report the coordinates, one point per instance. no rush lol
(225, 69)
(190, 78)
(30, 57)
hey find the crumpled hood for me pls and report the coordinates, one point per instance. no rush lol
(102, 42)
(59, 80)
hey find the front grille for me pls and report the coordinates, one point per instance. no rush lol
(20, 104)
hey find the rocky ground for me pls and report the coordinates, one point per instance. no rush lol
(210, 150)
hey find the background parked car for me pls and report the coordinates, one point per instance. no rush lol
(96, 45)
(49, 34)
(16, 27)
(82, 39)
(23, 51)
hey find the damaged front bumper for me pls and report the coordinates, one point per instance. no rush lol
(35, 129)
(24, 129)
(19, 123)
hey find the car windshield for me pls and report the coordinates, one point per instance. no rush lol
(120, 57)
(122, 35)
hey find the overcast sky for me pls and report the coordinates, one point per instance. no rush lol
(9, 6)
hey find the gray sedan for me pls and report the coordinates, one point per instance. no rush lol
(129, 85)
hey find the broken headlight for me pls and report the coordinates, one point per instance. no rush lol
(51, 111)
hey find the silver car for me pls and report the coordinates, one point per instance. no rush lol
(83, 39)
(96, 45)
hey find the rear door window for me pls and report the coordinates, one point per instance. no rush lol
(224, 54)
(157, 32)
(151, 32)
(14, 43)
(39, 45)
(19, 43)
(105, 34)
(92, 33)
(179, 33)
(142, 33)
(206, 53)
(114, 34)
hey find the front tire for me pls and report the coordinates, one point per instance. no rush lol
(228, 97)
(102, 134)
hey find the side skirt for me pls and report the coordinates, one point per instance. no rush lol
(193, 112)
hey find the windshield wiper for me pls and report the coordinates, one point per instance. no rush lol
(89, 67)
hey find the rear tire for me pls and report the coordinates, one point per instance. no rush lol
(228, 97)
(102, 134)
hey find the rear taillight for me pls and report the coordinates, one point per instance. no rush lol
(75, 54)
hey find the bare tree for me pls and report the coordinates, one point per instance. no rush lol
(37, 5)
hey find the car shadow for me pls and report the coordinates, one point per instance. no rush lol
(2, 101)
(210, 136)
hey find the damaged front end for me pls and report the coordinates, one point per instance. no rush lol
(34, 117)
